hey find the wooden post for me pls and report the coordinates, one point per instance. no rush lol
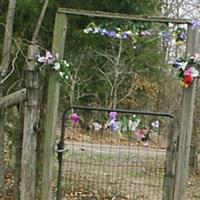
(52, 106)
(195, 142)
(170, 165)
(185, 129)
(31, 120)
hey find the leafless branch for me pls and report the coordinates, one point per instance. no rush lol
(39, 23)
(106, 76)
(104, 55)
(13, 68)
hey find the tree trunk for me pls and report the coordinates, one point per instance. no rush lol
(8, 37)
(116, 76)
(3, 72)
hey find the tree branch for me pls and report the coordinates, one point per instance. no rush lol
(39, 23)
(104, 55)
(13, 68)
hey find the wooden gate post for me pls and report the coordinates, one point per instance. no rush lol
(182, 167)
(31, 120)
(52, 106)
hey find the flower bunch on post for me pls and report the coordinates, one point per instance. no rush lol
(52, 62)
(187, 69)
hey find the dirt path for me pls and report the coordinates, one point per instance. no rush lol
(113, 149)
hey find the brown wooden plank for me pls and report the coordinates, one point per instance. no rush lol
(185, 129)
(13, 99)
(91, 13)
(52, 107)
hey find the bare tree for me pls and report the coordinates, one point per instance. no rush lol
(181, 8)
(115, 73)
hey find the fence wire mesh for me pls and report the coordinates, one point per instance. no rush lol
(101, 161)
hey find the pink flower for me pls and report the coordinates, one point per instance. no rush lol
(113, 115)
(49, 58)
(75, 118)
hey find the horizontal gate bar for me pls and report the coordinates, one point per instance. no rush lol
(162, 114)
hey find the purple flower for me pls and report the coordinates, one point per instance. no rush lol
(195, 24)
(125, 35)
(166, 37)
(183, 36)
(75, 118)
(114, 125)
(145, 33)
(113, 115)
(112, 34)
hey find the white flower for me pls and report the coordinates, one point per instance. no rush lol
(61, 74)
(118, 35)
(128, 33)
(155, 124)
(97, 30)
(87, 30)
(57, 55)
(66, 76)
(194, 72)
(65, 63)
(41, 59)
(56, 66)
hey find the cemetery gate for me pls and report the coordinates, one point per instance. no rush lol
(105, 154)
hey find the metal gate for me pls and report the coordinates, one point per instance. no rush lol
(116, 154)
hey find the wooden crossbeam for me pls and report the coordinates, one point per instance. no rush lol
(13, 99)
(90, 13)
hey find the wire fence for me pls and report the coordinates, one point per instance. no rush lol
(102, 158)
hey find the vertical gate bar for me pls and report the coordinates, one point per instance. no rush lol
(170, 163)
(60, 151)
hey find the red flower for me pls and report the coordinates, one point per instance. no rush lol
(188, 79)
